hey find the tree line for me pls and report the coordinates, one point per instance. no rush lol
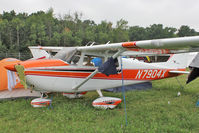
(18, 31)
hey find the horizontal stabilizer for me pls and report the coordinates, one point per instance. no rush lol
(179, 72)
(193, 75)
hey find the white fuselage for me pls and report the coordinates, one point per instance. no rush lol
(65, 78)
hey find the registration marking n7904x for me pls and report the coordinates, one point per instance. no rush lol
(150, 74)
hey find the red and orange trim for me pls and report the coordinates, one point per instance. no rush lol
(129, 45)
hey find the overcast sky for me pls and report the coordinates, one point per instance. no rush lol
(172, 13)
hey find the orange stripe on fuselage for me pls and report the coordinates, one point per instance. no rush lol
(37, 63)
(129, 74)
(43, 63)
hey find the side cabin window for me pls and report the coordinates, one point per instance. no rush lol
(90, 60)
(86, 60)
(81, 59)
(73, 60)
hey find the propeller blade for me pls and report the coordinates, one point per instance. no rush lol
(21, 74)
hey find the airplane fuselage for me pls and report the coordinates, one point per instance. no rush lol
(64, 78)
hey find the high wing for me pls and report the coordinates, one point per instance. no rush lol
(170, 43)
(156, 46)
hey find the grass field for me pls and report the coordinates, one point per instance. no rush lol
(147, 111)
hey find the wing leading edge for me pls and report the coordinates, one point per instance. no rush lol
(169, 43)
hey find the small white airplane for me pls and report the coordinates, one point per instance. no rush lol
(67, 71)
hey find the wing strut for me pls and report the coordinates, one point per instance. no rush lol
(95, 72)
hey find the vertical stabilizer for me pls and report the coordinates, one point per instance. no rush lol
(194, 69)
(181, 60)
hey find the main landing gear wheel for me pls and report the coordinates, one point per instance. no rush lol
(106, 102)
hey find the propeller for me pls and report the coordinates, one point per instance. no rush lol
(20, 69)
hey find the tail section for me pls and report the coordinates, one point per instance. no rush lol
(39, 53)
(180, 60)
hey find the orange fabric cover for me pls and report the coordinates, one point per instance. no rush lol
(3, 73)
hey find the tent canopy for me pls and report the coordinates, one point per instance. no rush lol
(4, 78)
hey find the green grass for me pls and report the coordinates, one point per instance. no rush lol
(147, 111)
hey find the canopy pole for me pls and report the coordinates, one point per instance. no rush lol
(123, 91)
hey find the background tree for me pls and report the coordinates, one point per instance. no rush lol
(186, 31)
(18, 31)
(137, 33)
(17, 26)
(120, 33)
